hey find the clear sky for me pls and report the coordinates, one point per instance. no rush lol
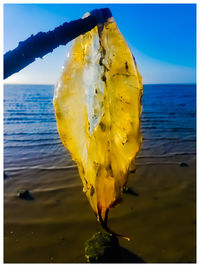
(162, 37)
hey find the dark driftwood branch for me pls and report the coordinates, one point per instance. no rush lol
(44, 42)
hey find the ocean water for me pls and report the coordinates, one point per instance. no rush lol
(31, 140)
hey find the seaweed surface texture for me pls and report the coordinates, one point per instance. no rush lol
(98, 105)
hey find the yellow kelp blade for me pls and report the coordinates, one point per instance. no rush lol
(97, 105)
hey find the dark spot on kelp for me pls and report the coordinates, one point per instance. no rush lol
(82, 170)
(126, 65)
(96, 165)
(98, 171)
(103, 126)
(103, 50)
(109, 170)
(101, 61)
(94, 116)
(96, 88)
(125, 141)
(85, 181)
(103, 78)
(58, 115)
(92, 190)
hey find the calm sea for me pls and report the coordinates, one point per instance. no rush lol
(31, 140)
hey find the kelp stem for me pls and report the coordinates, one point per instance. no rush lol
(105, 226)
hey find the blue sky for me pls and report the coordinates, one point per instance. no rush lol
(162, 38)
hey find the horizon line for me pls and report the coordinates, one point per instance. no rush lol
(55, 84)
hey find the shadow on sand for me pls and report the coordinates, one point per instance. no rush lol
(130, 191)
(127, 256)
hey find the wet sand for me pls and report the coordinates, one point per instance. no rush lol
(158, 214)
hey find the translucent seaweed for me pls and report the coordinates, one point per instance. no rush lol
(97, 105)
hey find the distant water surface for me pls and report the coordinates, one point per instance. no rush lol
(168, 125)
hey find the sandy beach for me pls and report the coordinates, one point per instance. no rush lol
(158, 214)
